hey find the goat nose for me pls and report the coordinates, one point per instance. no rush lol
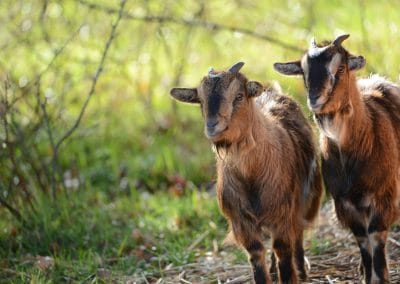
(212, 123)
(313, 97)
(313, 100)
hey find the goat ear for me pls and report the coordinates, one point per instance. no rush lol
(356, 62)
(186, 95)
(254, 89)
(289, 68)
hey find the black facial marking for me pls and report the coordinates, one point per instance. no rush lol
(214, 100)
(317, 75)
(380, 261)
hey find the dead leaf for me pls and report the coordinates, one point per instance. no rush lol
(103, 273)
(44, 262)
(177, 185)
(137, 235)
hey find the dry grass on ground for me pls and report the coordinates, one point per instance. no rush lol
(332, 253)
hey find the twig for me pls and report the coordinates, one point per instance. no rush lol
(50, 134)
(181, 279)
(393, 241)
(192, 22)
(95, 78)
(145, 279)
(41, 20)
(329, 279)
(198, 240)
(10, 208)
(57, 53)
(184, 281)
(10, 147)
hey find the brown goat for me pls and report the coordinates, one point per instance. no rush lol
(267, 167)
(360, 143)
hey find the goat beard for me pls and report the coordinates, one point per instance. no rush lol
(222, 146)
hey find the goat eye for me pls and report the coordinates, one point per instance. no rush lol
(239, 97)
(341, 69)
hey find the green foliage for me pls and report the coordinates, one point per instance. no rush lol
(128, 234)
(133, 138)
(320, 246)
(131, 122)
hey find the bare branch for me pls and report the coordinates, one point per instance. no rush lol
(95, 79)
(10, 147)
(42, 16)
(57, 53)
(12, 210)
(192, 22)
(42, 105)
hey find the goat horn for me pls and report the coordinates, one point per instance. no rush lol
(313, 43)
(338, 41)
(236, 67)
(211, 73)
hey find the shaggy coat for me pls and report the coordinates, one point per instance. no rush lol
(267, 168)
(360, 144)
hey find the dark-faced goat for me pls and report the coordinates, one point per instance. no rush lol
(267, 167)
(360, 143)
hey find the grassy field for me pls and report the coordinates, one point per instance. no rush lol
(129, 192)
(91, 236)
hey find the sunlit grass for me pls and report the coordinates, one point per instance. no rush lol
(134, 140)
(88, 231)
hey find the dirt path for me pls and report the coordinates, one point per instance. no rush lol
(331, 251)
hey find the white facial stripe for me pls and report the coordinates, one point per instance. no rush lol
(304, 65)
(334, 64)
(314, 52)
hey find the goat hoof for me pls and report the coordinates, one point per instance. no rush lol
(303, 276)
(274, 277)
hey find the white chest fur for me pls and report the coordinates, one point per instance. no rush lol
(328, 127)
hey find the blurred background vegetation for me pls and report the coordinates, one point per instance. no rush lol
(94, 154)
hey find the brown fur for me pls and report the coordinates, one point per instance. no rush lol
(268, 173)
(360, 144)
(369, 133)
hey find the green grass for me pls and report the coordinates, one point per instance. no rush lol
(133, 130)
(88, 231)
(320, 246)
